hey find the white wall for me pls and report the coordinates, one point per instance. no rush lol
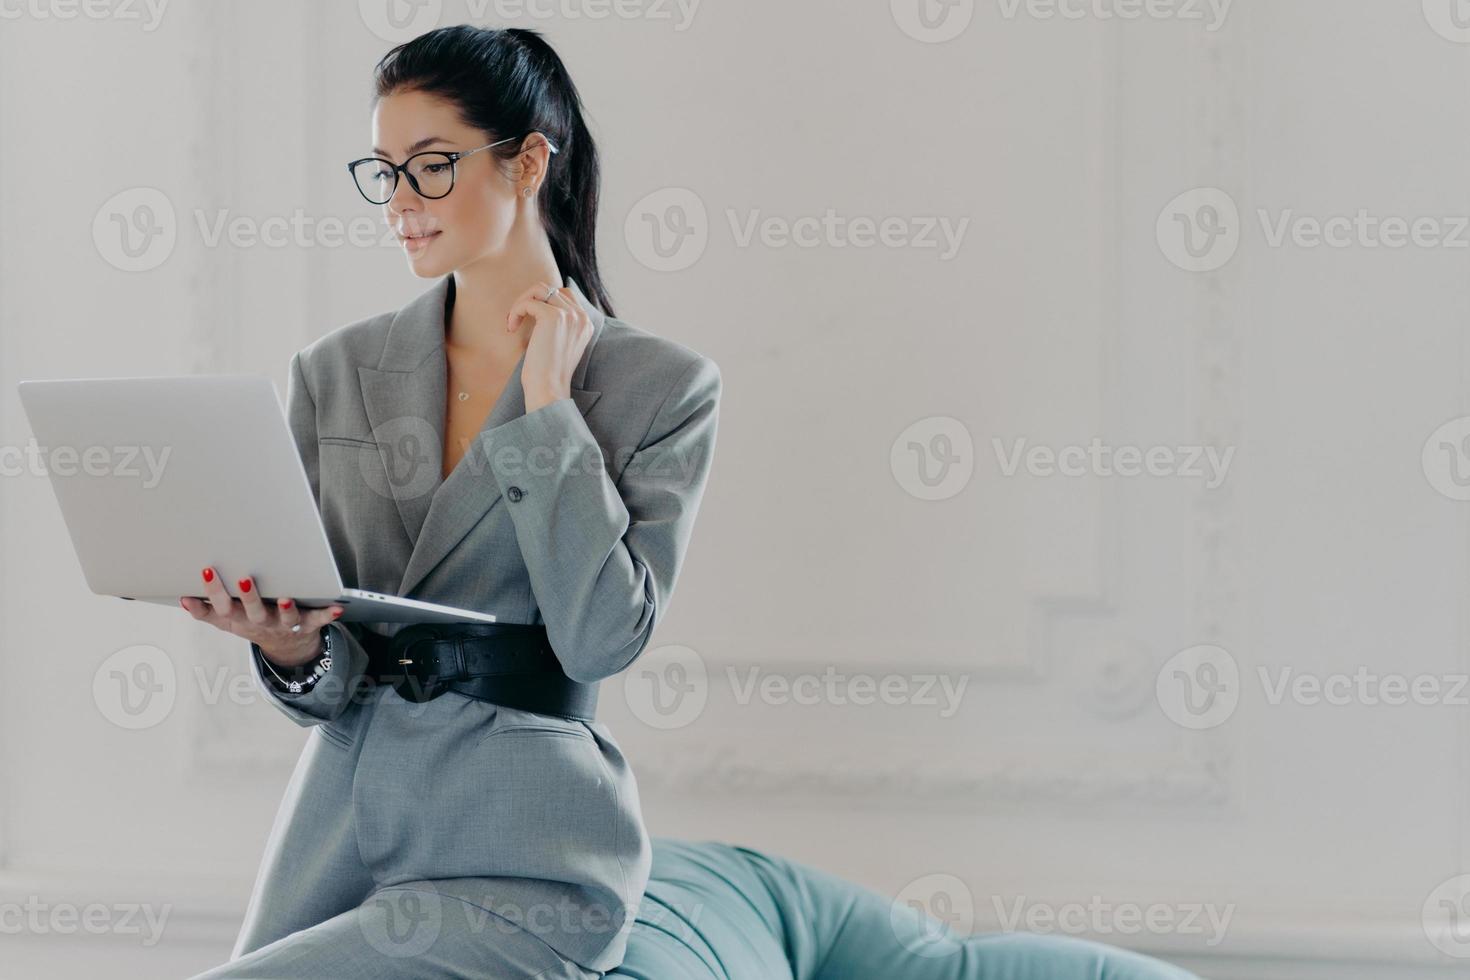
(1053, 145)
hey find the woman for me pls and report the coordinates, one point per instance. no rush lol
(500, 444)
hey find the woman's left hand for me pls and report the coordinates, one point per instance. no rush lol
(560, 330)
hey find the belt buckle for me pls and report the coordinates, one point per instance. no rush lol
(412, 686)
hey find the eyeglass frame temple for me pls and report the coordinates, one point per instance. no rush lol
(454, 157)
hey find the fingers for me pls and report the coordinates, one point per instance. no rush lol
(288, 613)
(564, 300)
(315, 619)
(269, 622)
(219, 601)
(310, 620)
(524, 306)
(218, 609)
(521, 307)
(255, 610)
(530, 302)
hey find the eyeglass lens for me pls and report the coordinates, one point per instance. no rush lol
(432, 172)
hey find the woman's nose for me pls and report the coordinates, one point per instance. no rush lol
(403, 194)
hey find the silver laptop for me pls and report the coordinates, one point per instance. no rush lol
(159, 477)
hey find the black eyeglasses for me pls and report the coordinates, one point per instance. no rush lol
(430, 174)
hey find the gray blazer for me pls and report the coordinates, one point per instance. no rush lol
(578, 516)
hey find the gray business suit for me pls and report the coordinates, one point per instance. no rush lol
(514, 838)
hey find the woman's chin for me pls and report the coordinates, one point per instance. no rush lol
(426, 267)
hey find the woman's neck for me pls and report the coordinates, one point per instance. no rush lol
(483, 294)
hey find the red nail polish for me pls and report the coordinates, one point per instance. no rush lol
(337, 614)
(285, 603)
(244, 584)
(209, 575)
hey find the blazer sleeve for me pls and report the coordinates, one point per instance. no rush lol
(332, 693)
(603, 557)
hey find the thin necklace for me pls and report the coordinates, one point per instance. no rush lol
(464, 396)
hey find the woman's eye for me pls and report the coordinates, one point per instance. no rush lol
(434, 168)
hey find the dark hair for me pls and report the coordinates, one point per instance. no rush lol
(509, 82)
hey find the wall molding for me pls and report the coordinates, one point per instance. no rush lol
(905, 773)
(1117, 672)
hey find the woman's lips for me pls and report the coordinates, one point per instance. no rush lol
(421, 243)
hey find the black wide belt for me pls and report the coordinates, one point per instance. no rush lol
(507, 663)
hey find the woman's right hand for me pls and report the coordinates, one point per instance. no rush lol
(267, 627)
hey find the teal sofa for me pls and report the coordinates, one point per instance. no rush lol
(716, 911)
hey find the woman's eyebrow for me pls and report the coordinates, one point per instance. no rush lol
(417, 146)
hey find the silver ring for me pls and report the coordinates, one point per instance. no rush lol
(549, 295)
(296, 628)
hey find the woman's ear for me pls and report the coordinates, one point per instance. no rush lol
(532, 161)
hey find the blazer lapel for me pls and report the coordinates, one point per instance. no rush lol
(405, 400)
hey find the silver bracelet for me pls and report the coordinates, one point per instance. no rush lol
(320, 666)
